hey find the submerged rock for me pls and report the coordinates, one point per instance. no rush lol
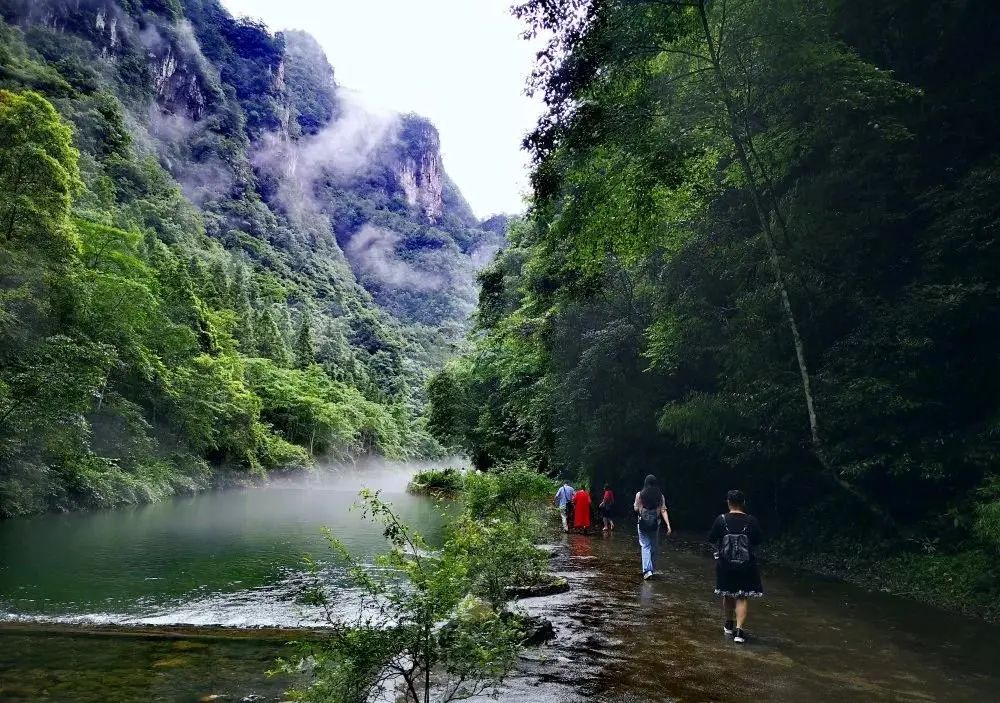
(172, 662)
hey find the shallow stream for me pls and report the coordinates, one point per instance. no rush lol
(191, 598)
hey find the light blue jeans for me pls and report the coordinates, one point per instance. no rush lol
(648, 542)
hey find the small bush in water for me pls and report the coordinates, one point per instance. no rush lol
(448, 480)
(513, 492)
(418, 633)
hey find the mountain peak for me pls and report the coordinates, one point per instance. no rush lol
(420, 171)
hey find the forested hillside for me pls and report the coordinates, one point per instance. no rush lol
(762, 253)
(214, 261)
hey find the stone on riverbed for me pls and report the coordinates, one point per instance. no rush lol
(537, 631)
(549, 550)
(537, 590)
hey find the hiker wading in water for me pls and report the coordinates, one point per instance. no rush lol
(607, 503)
(737, 579)
(651, 508)
(564, 500)
(581, 509)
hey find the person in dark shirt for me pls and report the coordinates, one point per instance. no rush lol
(735, 536)
(607, 503)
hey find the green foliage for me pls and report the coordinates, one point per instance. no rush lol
(38, 177)
(397, 637)
(448, 407)
(987, 508)
(162, 322)
(758, 256)
(498, 552)
(324, 415)
(438, 481)
(512, 493)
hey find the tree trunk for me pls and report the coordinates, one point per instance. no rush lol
(427, 660)
(767, 234)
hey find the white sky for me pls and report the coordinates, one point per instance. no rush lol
(462, 63)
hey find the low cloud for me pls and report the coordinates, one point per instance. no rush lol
(345, 148)
(171, 134)
(484, 253)
(373, 252)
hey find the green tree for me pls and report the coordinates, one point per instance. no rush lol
(38, 176)
(270, 341)
(305, 343)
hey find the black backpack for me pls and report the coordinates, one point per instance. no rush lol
(649, 520)
(735, 551)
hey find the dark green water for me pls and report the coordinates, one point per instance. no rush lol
(227, 558)
(124, 605)
(86, 668)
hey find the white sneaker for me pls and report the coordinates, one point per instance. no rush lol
(738, 637)
(727, 628)
(648, 575)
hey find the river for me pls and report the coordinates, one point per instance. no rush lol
(191, 598)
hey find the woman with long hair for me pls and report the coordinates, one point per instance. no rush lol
(651, 509)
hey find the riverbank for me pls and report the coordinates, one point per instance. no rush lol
(967, 583)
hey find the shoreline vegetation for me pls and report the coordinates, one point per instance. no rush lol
(446, 482)
(760, 253)
(433, 621)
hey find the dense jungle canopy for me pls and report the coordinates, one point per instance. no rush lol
(761, 253)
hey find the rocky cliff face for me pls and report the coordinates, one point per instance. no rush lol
(251, 121)
(419, 171)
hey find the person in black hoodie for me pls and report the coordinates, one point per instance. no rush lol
(735, 536)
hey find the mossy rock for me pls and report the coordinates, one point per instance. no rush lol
(188, 645)
(172, 662)
(548, 587)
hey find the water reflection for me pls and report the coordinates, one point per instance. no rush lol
(232, 557)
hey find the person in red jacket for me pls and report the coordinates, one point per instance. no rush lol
(607, 502)
(581, 509)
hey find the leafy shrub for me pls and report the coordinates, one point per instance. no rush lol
(511, 492)
(499, 554)
(447, 480)
(397, 634)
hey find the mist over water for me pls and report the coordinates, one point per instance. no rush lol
(231, 558)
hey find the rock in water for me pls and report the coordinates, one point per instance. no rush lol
(537, 590)
(537, 631)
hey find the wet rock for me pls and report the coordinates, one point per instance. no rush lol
(252, 698)
(211, 697)
(549, 550)
(537, 631)
(536, 590)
